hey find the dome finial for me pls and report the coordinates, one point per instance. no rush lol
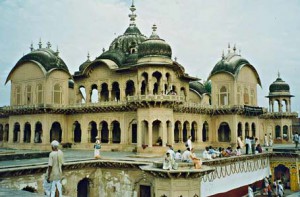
(228, 47)
(223, 56)
(234, 48)
(132, 16)
(103, 50)
(278, 74)
(31, 47)
(40, 43)
(88, 56)
(49, 45)
(154, 35)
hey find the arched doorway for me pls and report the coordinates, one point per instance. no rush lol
(282, 173)
(77, 132)
(253, 129)
(194, 131)
(205, 132)
(16, 132)
(1, 132)
(285, 132)
(130, 89)
(116, 132)
(104, 132)
(134, 132)
(176, 131)
(83, 188)
(156, 131)
(38, 132)
(55, 132)
(247, 129)
(93, 132)
(145, 132)
(27, 132)
(185, 130)
(224, 132)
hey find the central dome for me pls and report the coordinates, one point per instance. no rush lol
(154, 46)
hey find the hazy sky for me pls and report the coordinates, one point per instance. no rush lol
(267, 32)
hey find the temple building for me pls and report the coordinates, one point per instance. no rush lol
(135, 92)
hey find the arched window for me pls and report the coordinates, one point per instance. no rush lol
(277, 132)
(28, 95)
(82, 93)
(144, 85)
(104, 92)
(18, 95)
(224, 96)
(16, 132)
(240, 130)
(77, 132)
(115, 92)
(130, 89)
(157, 81)
(94, 94)
(285, 132)
(104, 132)
(39, 94)
(57, 94)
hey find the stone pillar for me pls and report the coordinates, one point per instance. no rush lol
(163, 127)
(196, 133)
(171, 134)
(109, 94)
(99, 132)
(88, 94)
(11, 133)
(199, 134)
(280, 105)
(139, 134)
(110, 134)
(21, 134)
(272, 106)
(150, 134)
(32, 127)
(89, 129)
(180, 133)
(188, 130)
(233, 132)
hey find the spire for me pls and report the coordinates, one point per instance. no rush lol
(31, 47)
(40, 43)
(223, 56)
(228, 47)
(278, 74)
(234, 48)
(48, 45)
(132, 16)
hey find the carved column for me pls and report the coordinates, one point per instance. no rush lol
(21, 134)
(32, 136)
(199, 134)
(88, 94)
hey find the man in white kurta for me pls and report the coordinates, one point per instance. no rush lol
(189, 142)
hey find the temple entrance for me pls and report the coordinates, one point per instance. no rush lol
(145, 190)
(283, 173)
(205, 130)
(134, 133)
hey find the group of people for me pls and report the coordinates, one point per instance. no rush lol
(189, 156)
(251, 143)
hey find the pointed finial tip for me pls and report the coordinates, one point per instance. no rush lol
(154, 27)
(88, 56)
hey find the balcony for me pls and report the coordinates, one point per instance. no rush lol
(156, 98)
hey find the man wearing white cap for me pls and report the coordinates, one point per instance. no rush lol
(54, 172)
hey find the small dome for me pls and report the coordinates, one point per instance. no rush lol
(279, 86)
(115, 55)
(46, 57)
(229, 63)
(197, 87)
(154, 46)
(85, 64)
